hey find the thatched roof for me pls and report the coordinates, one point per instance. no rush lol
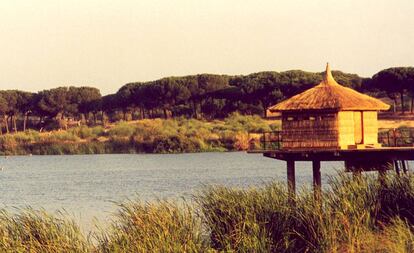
(329, 95)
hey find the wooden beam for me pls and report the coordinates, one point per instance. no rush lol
(317, 184)
(291, 177)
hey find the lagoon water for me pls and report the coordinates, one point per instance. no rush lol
(88, 186)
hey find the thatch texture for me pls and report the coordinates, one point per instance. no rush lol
(329, 95)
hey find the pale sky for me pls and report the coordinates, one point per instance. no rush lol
(107, 43)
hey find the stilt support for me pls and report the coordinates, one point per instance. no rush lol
(404, 166)
(291, 177)
(317, 184)
(397, 167)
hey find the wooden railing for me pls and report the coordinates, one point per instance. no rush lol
(396, 137)
(387, 137)
(265, 140)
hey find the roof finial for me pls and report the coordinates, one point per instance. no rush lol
(328, 78)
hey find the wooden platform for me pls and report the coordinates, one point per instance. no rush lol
(378, 157)
(391, 153)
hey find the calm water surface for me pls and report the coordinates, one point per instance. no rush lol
(87, 186)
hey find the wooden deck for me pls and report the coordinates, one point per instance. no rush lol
(355, 159)
(388, 153)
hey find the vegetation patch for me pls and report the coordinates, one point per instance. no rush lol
(142, 136)
(356, 215)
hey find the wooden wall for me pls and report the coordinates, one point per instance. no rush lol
(370, 127)
(309, 130)
(346, 129)
(328, 129)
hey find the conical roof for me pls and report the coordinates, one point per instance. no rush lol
(329, 95)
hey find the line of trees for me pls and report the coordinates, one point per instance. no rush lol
(396, 84)
(200, 96)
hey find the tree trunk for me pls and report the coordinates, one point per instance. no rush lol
(395, 105)
(412, 104)
(25, 122)
(402, 102)
(195, 114)
(201, 110)
(6, 122)
(141, 113)
(103, 118)
(165, 113)
(14, 123)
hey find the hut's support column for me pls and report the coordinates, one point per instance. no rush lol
(317, 189)
(397, 167)
(291, 177)
(404, 167)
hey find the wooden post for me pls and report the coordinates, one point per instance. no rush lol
(397, 167)
(388, 137)
(291, 177)
(404, 167)
(317, 184)
(408, 167)
(395, 137)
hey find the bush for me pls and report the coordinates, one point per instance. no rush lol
(239, 122)
(85, 132)
(122, 129)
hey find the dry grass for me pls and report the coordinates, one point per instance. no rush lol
(395, 123)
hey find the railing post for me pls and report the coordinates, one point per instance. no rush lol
(388, 137)
(395, 137)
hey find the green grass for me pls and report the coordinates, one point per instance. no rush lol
(144, 136)
(358, 215)
(153, 227)
(37, 231)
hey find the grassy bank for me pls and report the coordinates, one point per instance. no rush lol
(356, 216)
(147, 136)
(144, 136)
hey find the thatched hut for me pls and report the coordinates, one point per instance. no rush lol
(329, 116)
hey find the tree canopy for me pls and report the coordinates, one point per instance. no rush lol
(204, 95)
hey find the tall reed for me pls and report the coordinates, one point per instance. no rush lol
(37, 231)
(357, 215)
(160, 226)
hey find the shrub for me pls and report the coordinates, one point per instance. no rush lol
(239, 122)
(122, 129)
(85, 132)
